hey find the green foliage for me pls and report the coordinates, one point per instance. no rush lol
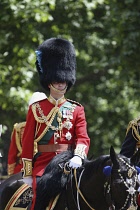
(106, 36)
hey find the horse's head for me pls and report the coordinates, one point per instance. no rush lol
(122, 183)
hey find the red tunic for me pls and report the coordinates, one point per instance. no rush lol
(77, 133)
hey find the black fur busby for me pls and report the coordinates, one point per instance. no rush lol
(56, 62)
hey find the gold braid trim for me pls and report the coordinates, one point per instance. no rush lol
(43, 118)
(18, 143)
(47, 120)
(27, 167)
(15, 197)
(11, 168)
(134, 124)
(80, 151)
(19, 128)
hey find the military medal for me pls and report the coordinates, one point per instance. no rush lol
(70, 115)
(64, 113)
(67, 114)
(68, 125)
(68, 136)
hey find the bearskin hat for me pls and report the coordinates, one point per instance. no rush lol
(56, 62)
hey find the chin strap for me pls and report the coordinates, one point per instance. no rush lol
(59, 91)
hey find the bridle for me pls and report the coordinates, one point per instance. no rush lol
(130, 186)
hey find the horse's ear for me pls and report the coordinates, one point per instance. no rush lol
(135, 159)
(113, 156)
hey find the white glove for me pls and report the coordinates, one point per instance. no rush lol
(28, 180)
(75, 162)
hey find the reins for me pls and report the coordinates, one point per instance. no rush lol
(67, 171)
(79, 191)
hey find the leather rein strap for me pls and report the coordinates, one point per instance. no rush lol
(79, 191)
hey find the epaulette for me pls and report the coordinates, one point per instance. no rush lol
(135, 126)
(20, 125)
(37, 96)
(74, 102)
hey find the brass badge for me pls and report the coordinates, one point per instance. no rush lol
(130, 172)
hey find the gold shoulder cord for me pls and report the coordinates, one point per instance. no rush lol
(45, 119)
(74, 102)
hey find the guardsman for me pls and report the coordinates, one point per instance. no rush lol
(54, 124)
(15, 149)
(132, 143)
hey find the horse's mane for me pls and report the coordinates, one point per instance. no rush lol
(53, 179)
(63, 157)
(95, 164)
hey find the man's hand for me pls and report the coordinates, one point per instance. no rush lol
(75, 162)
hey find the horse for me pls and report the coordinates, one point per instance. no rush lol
(109, 182)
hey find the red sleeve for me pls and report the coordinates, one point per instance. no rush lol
(81, 128)
(12, 153)
(28, 136)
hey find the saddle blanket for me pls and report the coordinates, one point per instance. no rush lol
(21, 199)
